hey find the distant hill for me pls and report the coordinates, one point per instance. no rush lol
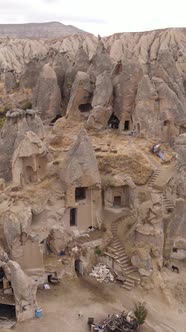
(38, 30)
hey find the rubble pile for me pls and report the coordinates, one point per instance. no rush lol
(102, 273)
(120, 322)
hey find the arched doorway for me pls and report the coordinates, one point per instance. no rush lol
(113, 122)
(78, 265)
(30, 175)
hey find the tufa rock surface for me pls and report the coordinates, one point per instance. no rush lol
(46, 95)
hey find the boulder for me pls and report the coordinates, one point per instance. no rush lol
(3, 255)
(98, 118)
(46, 95)
(141, 259)
(25, 289)
(58, 239)
(17, 226)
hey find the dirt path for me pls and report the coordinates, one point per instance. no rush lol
(62, 304)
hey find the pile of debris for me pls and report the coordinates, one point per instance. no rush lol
(123, 322)
(102, 273)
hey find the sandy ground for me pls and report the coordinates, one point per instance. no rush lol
(62, 304)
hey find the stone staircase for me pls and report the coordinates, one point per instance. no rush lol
(167, 204)
(117, 251)
(153, 178)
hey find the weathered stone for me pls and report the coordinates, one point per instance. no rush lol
(12, 134)
(58, 239)
(25, 289)
(80, 166)
(81, 96)
(103, 93)
(10, 81)
(29, 160)
(99, 117)
(46, 95)
(16, 223)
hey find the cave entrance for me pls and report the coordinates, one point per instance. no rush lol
(182, 130)
(7, 312)
(78, 265)
(85, 107)
(117, 201)
(127, 125)
(80, 194)
(58, 116)
(113, 122)
(2, 274)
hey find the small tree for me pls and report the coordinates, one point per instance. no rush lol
(98, 250)
(140, 313)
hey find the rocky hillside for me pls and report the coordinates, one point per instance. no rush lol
(38, 30)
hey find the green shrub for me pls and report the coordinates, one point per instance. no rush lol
(98, 251)
(2, 120)
(140, 313)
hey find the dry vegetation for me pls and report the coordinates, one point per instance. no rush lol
(133, 165)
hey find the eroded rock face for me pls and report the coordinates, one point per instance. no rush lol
(58, 239)
(103, 92)
(17, 123)
(98, 118)
(176, 227)
(16, 224)
(10, 81)
(46, 95)
(81, 96)
(29, 160)
(80, 166)
(25, 289)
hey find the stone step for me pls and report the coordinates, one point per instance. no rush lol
(116, 241)
(129, 269)
(134, 278)
(126, 263)
(117, 246)
(129, 282)
(123, 255)
(110, 255)
(123, 260)
(127, 287)
(153, 178)
(125, 266)
(121, 251)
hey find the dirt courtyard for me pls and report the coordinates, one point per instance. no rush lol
(62, 304)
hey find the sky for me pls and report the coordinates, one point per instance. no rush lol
(103, 17)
